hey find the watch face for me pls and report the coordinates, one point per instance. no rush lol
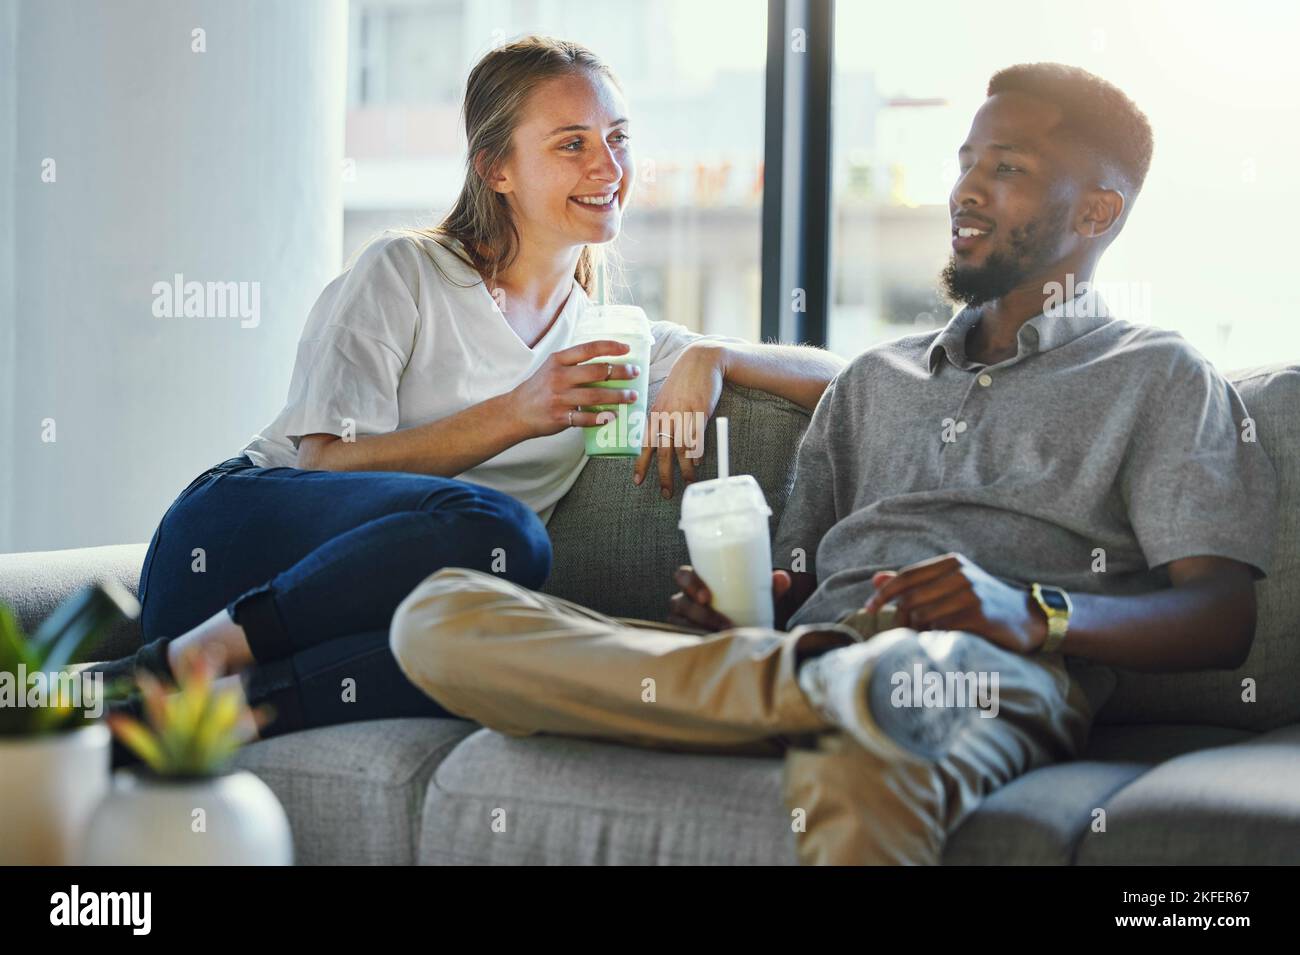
(1054, 599)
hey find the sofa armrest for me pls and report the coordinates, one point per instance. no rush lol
(33, 584)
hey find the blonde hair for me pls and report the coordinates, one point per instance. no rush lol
(495, 93)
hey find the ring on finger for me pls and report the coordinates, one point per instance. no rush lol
(571, 417)
(609, 371)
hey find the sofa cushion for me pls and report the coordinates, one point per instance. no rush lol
(580, 802)
(1228, 805)
(1039, 818)
(617, 545)
(1272, 396)
(353, 793)
(587, 802)
(33, 584)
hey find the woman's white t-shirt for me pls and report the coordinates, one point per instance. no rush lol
(410, 334)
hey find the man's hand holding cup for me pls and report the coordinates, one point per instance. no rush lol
(692, 606)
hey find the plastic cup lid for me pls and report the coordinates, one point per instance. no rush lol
(612, 321)
(737, 494)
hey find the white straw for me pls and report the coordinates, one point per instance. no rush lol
(724, 463)
(600, 284)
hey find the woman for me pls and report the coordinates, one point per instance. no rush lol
(433, 414)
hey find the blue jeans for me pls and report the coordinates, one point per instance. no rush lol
(312, 565)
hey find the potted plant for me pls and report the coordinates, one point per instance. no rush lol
(184, 806)
(54, 753)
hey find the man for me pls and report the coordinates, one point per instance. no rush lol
(970, 506)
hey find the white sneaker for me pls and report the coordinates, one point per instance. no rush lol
(853, 687)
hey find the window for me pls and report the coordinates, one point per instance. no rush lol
(693, 74)
(1209, 238)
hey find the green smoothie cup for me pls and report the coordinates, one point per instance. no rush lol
(621, 434)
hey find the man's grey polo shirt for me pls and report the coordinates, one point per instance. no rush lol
(1100, 452)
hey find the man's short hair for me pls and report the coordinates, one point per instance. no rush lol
(1094, 112)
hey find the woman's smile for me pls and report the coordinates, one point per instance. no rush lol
(600, 203)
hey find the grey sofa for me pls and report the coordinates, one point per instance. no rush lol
(1185, 770)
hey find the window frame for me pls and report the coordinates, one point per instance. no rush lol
(796, 218)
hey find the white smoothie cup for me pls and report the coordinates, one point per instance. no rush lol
(725, 522)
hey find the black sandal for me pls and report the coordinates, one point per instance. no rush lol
(151, 658)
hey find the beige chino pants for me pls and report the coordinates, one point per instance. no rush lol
(522, 662)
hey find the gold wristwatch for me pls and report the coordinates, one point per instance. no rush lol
(1056, 607)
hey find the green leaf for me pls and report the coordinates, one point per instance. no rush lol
(137, 737)
(14, 649)
(81, 621)
(215, 739)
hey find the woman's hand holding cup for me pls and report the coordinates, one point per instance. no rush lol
(547, 402)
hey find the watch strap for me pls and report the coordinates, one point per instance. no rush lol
(1058, 620)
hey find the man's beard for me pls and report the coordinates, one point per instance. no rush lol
(1031, 249)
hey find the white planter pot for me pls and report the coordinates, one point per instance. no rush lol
(225, 820)
(49, 786)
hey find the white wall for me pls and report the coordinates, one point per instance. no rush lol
(221, 165)
(8, 129)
